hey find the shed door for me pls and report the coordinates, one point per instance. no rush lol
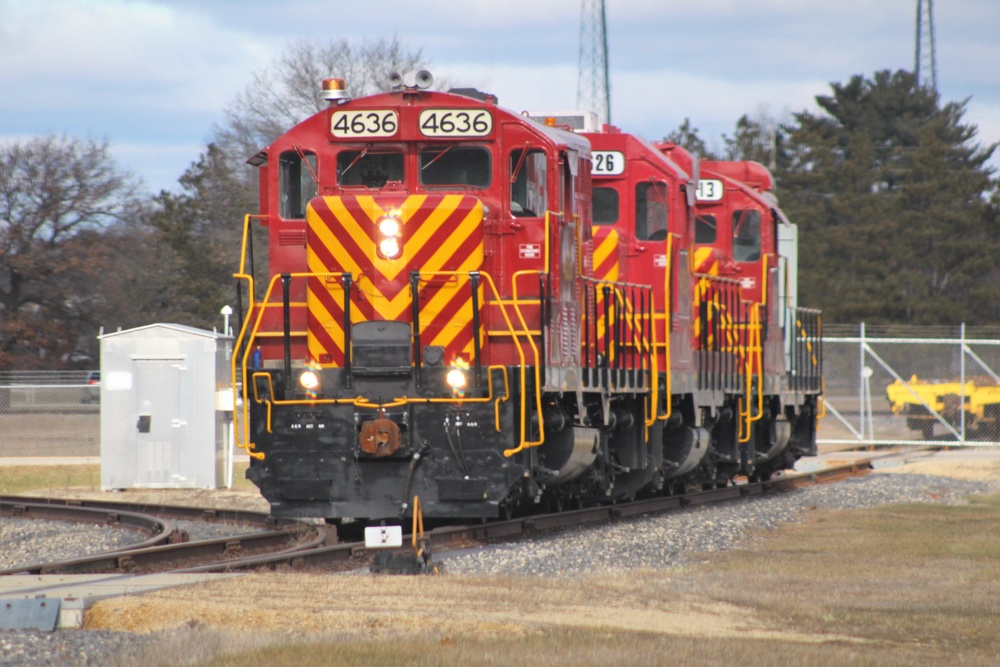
(160, 424)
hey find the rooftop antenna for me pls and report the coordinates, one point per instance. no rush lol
(593, 87)
(923, 57)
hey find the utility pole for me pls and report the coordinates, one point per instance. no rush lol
(924, 60)
(593, 87)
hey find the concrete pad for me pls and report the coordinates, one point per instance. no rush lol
(77, 592)
(49, 460)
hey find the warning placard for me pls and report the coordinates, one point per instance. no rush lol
(530, 251)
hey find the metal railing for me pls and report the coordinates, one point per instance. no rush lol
(56, 413)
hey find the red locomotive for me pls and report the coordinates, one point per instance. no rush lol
(440, 321)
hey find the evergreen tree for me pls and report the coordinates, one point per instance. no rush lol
(198, 233)
(687, 137)
(890, 191)
(760, 138)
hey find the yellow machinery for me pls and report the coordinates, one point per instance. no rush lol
(919, 400)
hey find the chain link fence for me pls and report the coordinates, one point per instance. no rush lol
(50, 413)
(883, 386)
(911, 385)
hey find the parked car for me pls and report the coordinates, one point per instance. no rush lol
(92, 392)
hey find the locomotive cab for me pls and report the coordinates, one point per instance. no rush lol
(422, 313)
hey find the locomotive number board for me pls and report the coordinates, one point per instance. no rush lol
(607, 163)
(709, 189)
(455, 122)
(364, 123)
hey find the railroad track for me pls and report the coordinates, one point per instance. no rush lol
(167, 549)
(301, 546)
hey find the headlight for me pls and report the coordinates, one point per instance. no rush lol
(456, 378)
(388, 226)
(389, 248)
(309, 380)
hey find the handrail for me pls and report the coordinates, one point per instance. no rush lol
(246, 445)
(753, 346)
(667, 305)
(363, 402)
(538, 362)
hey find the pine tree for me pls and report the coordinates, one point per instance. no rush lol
(889, 190)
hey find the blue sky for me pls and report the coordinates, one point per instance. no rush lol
(153, 76)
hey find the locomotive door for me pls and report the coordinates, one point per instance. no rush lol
(748, 226)
(749, 251)
(649, 250)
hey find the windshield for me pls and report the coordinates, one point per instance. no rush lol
(368, 169)
(455, 165)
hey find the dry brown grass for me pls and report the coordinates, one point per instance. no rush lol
(84, 481)
(916, 575)
(912, 585)
(48, 480)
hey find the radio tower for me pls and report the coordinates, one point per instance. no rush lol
(593, 88)
(924, 61)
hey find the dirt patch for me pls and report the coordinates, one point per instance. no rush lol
(972, 467)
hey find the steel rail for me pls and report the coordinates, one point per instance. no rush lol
(179, 512)
(159, 530)
(316, 551)
(173, 557)
(449, 538)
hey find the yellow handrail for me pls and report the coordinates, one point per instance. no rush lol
(538, 362)
(363, 402)
(246, 445)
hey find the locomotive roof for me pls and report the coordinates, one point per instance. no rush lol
(765, 198)
(429, 98)
(612, 136)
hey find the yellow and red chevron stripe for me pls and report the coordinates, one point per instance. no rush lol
(706, 260)
(606, 259)
(439, 233)
(607, 268)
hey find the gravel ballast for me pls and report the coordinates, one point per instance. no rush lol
(670, 539)
(666, 540)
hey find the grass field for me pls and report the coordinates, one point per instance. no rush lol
(913, 585)
(902, 585)
(908, 585)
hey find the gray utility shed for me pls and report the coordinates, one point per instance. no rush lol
(166, 405)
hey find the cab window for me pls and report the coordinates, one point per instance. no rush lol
(651, 211)
(368, 169)
(453, 165)
(746, 235)
(705, 229)
(528, 178)
(605, 206)
(297, 183)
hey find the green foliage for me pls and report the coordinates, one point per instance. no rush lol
(199, 233)
(687, 137)
(888, 190)
(761, 138)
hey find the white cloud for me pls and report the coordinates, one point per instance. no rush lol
(117, 53)
(140, 72)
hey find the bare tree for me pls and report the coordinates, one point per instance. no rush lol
(56, 196)
(288, 92)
